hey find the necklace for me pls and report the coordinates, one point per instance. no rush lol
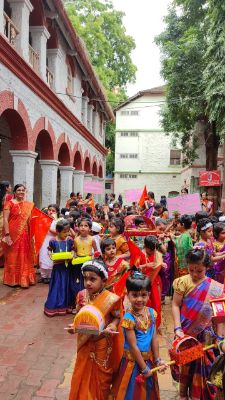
(144, 323)
(112, 267)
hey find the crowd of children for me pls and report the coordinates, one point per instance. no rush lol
(123, 262)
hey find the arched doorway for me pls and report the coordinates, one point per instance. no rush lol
(100, 172)
(13, 136)
(94, 169)
(44, 149)
(87, 165)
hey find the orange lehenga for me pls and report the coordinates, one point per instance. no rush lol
(96, 359)
(19, 257)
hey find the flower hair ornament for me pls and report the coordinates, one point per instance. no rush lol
(96, 264)
(206, 226)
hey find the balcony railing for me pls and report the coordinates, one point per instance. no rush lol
(10, 30)
(33, 58)
(49, 77)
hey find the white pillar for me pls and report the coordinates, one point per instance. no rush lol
(102, 196)
(1, 16)
(78, 181)
(90, 117)
(49, 181)
(23, 169)
(66, 174)
(85, 101)
(54, 59)
(40, 35)
(95, 123)
(21, 10)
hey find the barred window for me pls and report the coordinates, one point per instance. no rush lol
(131, 134)
(175, 157)
(125, 112)
(128, 176)
(134, 112)
(127, 155)
(123, 155)
(129, 112)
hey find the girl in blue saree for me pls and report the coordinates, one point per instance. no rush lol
(192, 316)
(141, 348)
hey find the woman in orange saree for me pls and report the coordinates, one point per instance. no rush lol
(96, 361)
(5, 190)
(18, 251)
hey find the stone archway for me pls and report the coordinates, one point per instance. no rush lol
(87, 165)
(44, 150)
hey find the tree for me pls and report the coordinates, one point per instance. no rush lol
(101, 27)
(183, 45)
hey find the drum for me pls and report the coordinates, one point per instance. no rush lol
(81, 260)
(89, 320)
(61, 256)
(185, 350)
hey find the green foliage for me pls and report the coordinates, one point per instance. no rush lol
(182, 47)
(102, 30)
(214, 73)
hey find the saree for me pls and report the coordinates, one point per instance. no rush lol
(167, 274)
(219, 266)
(115, 272)
(97, 359)
(19, 257)
(156, 282)
(127, 386)
(8, 197)
(196, 314)
(183, 244)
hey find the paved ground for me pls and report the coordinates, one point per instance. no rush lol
(37, 354)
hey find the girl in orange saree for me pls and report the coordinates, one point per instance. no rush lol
(18, 251)
(96, 361)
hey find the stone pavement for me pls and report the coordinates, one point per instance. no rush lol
(37, 354)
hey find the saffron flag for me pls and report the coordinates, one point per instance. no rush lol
(135, 253)
(39, 227)
(143, 197)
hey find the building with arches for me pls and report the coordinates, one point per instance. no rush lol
(53, 107)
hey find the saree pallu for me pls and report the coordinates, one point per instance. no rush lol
(167, 274)
(115, 273)
(97, 357)
(219, 267)
(19, 257)
(196, 314)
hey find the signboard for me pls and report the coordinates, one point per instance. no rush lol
(210, 178)
(133, 195)
(186, 204)
(93, 187)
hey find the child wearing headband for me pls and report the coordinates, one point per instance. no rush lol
(97, 356)
(141, 347)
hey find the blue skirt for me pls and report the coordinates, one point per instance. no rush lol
(61, 295)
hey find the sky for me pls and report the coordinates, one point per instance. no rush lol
(143, 21)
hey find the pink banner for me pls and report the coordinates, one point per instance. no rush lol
(93, 187)
(133, 195)
(187, 204)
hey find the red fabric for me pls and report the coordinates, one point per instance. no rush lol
(39, 227)
(135, 253)
(143, 197)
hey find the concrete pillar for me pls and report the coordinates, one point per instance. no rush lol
(102, 195)
(49, 181)
(1, 16)
(21, 10)
(54, 59)
(78, 181)
(40, 35)
(66, 174)
(90, 117)
(85, 101)
(95, 123)
(23, 169)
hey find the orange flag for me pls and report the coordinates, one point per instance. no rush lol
(143, 197)
(135, 253)
(39, 227)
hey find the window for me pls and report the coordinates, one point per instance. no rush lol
(128, 176)
(127, 155)
(175, 157)
(131, 134)
(129, 112)
(134, 134)
(134, 112)
(108, 185)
